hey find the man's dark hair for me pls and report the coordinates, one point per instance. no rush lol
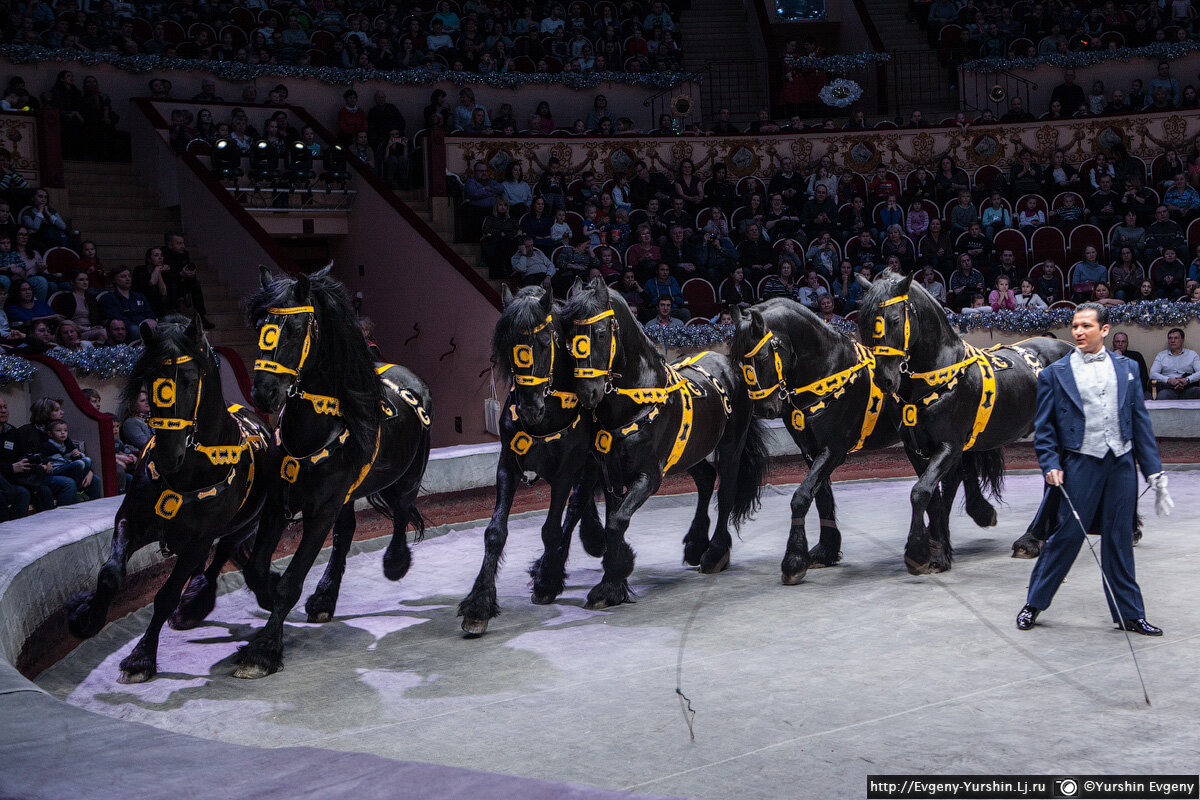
(169, 235)
(117, 270)
(1177, 330)
(1101, 311)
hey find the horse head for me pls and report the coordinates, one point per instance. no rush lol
(287, 336)
(765, 358)
(171, 371)
(887, 326)
(526, 345)
(594, 340)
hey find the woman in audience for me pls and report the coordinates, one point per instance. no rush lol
(689, 186)
(936, 248)
(1145, 292)
(438, 110)
(949, 180)
(537, 224)
(781, 285)
(1126, 273)
(895, 243)
(516, 191)
(150, 279)
(736, 290)
(70, 337)
(499, 239)
(45, 225)
(135, 430)
(1103, 295)
(1128, 234)
(825, 310)
(780, 222)
(84, 307)
(643, 254)
(546, 119)
(25, 308)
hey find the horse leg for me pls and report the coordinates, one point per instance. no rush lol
(795, 557)
(613, 588)
(548, 571)
(480, 605)
(200, 594)
(695, 543)
(581, 508)
(828, 550)
(141, 664)
(263, 654)
(976, 505)
(323, 602)
(917, 554)
(402, 497)
(88, 611)
(941, 502)
(257, 570)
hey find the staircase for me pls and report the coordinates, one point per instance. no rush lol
(439, 213)
(111, 206)
(916, 78)
(718, 41)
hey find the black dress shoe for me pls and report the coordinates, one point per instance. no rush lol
(1027, 616)
(1142, 627)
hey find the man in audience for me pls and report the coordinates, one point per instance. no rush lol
(819, 212)
(1120, 344)
(1068, 93)
(646, 184)
(679, 254)
(722, 126)
(1176, 370)
(1105, 204)
(1169, 275)
(116, 332)
(788, 183)
(1016, 111)
(208, 92)
(665, 317)
(1162, 233)
(1168, 84)
(13, 464)
(964, 282)
(125, 304)
(531, 266)
(183, 282)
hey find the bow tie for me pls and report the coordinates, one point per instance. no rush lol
(1090, 357)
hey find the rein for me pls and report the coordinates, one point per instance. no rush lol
(268, 342)
(522, 358)
(821, 389)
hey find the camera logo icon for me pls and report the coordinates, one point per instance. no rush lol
(1067, 787)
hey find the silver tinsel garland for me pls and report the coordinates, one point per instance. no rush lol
(98, 362)
(14, 369)
(1159, 51)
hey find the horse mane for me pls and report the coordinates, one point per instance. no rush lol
(170, 340)
(524, 313)
(341, 358)
(742, 338)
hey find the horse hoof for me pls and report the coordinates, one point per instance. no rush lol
(320, 616)
(1137, 536)
(794, 578)
(474, 627)
(718, 566)
(539, 599)
(140, 676)
(1021, 552)
(917, 569)
(993, 521)
(597, 605)
(252, 672)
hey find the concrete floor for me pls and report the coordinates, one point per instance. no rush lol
(798, 691)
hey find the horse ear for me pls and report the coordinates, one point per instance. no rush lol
(577, 287)
(323, 272)
(300, 291)
(758, 325)
(863, 282)
(194, 330)
(506, 296)
(265, 278)
(601, 290)
(902, 287)
(149, 334)
(735, 313)
(547, 300)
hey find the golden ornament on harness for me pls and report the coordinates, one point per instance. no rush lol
(164, 392)
(522, 356)
(910, 415)
(268, 337)
(581, 346)
(521, 443)
(168, 504)
(290, 469)
(603, 441)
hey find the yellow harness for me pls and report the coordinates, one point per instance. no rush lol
(821, 389)
(522, 358)
(268, 341)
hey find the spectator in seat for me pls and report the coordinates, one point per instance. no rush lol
(963, 214)
(931, 282)
(1163, 80)
(1105, 204)
(1169, 275)
(755, 253)
(8, 223)
(664, 285)
(1007, 265)
(737, 291)
(1085, 274)
(382, 119)
(922, 184)
(846, 289)
(822, 254)
(788, 184)
(996, 216)
(46, 489)
(465, 110)
(1126, 274)
(950, 180)
(1120, 344)
(134, 429)
(810, 294)
(891, 214)
(1181, 199)
(667, 315)
(1016, 111)
(825, 309)
(1068, 93)
(896, 244)
(350, 118)
(1025, 177)
(1060, 175)
(572, 262)
(361, 149)
(780, 221)
(819, 212)
(149, 279)
(14, 498)
(1161, 233)
(689, 186)
(822, 177)
(24, 308)
(863, 251)
(629, 288)
(181, 277)
(1068, 214)
(498, 240)
(67, 460)
(1102, 294)
(116, 333)
(782, 284)
(975, 244)
(24, 478)
(854, 219)
(45, 225)
(530, 265)
(537, 223)
(1028, 297)
(394, 160)
(719, 190)
(1176, 370)
(516, 191)
(1030, 217)
(1001, 298)
(13, 186)
(123, 303)
(646, 185)
(936, 248)
(964, 281)
(84, 305)
(644, 254)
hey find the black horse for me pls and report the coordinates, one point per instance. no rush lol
(956, 398)
(655, 419)
(544, 432)
(822, 384)
(348, 428)
(203, 478)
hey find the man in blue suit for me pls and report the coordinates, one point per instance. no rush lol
(1092, 435)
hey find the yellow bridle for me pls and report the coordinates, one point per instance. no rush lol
(581, 346)
(522, 358)
(881, 329)
(163, 395)
(268, 341)
(751, 376)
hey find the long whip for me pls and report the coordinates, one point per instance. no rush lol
(1112, 597)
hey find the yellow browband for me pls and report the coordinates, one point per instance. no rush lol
(581, 346)
(752, 376)
(268, 341)
(884, 350)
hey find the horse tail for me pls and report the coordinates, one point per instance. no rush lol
(415, 518)
(751, 469)
(988, 468)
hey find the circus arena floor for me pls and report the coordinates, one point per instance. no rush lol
(798, 691)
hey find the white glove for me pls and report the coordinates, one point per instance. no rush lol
(1162, 498)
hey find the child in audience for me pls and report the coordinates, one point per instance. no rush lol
(591, 228)
(560, 231)
(1028, 298)
(1031, 216)
(1001, 298)
(66, 459)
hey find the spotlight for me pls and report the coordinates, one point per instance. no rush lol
(336, 170)
(226, 160)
